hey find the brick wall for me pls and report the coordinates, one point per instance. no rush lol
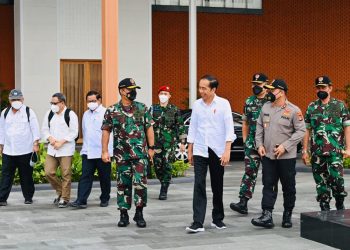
(295, 40)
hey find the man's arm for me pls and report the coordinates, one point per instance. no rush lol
(105, 140)
(259, 136)
(150, 140)
(245, 129)
(305, 150)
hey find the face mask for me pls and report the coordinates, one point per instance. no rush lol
(131, 95)
(16, 105)
(257, 90)
(322, 95)
(163, 98)
(92, 105)
(55, 108)
(270, 97)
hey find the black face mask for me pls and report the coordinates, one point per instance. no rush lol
(322, 95)
(131, 95)
(257, 90)
(270, 97)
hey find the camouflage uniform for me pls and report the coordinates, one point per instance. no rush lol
(129, 150)
(252, 159)
(326, 124)
(169, 129)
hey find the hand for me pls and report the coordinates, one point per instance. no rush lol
(262, 151)
(151, 154)
(105, 157)
(346, 153)
(1, 148)
(280, 150)
(36, 148)
(182, 148)
(58, 144)
(51, 140)
(190, 157)
(225, 158)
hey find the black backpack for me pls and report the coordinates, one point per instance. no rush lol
(8, 110)
(66, 119)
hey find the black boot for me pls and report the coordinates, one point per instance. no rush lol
(240, 207)
(325, 206)
(138, 218)
(163, 195)
(124, 218)
(287, 219)
(265, 220)
(339, 203)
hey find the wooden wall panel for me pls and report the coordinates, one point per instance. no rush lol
(7, 49)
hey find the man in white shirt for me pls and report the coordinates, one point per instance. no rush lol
(210, 136)
(60, 129)
(19, 136)
(92, 151)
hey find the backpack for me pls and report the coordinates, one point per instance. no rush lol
(66, 119)
(8, 110)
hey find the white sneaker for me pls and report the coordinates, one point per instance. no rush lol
(218, 225)
(195, 228)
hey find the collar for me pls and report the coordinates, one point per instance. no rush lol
(97, 110)
(215, 100)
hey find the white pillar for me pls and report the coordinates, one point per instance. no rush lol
(193, 52)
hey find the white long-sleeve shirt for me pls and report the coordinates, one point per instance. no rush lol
(92, 134)
(59, 130)
(16, 133)
(211, 126)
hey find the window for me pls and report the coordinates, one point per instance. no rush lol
(77, 78)
(235, 4)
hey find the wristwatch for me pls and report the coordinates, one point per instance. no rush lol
(151, 147)
(304, 151)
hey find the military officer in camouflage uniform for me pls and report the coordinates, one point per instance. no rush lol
(168, 131)
(252, 159)
(131, 124)
(328, 122)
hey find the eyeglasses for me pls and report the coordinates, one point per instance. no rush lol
(54, 103)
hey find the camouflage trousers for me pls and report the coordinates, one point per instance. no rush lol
(132, 173)
(328, 175)
(162, 164)
(252, 162)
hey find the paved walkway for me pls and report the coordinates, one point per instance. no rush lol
(43, 226)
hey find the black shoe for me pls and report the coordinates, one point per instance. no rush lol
(287, 219)
(240, 207)
(195, 228)
(104, 204)
(265, 220)
(63, 204)
(57, 200)
(3, 203)
(325, 206)
(124, 218)
(77, 205)
(28, 201)
(218, 224)
(163, 195)
(138, 218)
(339, 203)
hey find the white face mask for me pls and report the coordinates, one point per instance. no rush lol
(92, 105)
(163, 98)
(16, 105)
(55, 108)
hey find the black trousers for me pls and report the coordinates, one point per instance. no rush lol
(272, 171)
(87, 177)
(9, 165)
(199, 192)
